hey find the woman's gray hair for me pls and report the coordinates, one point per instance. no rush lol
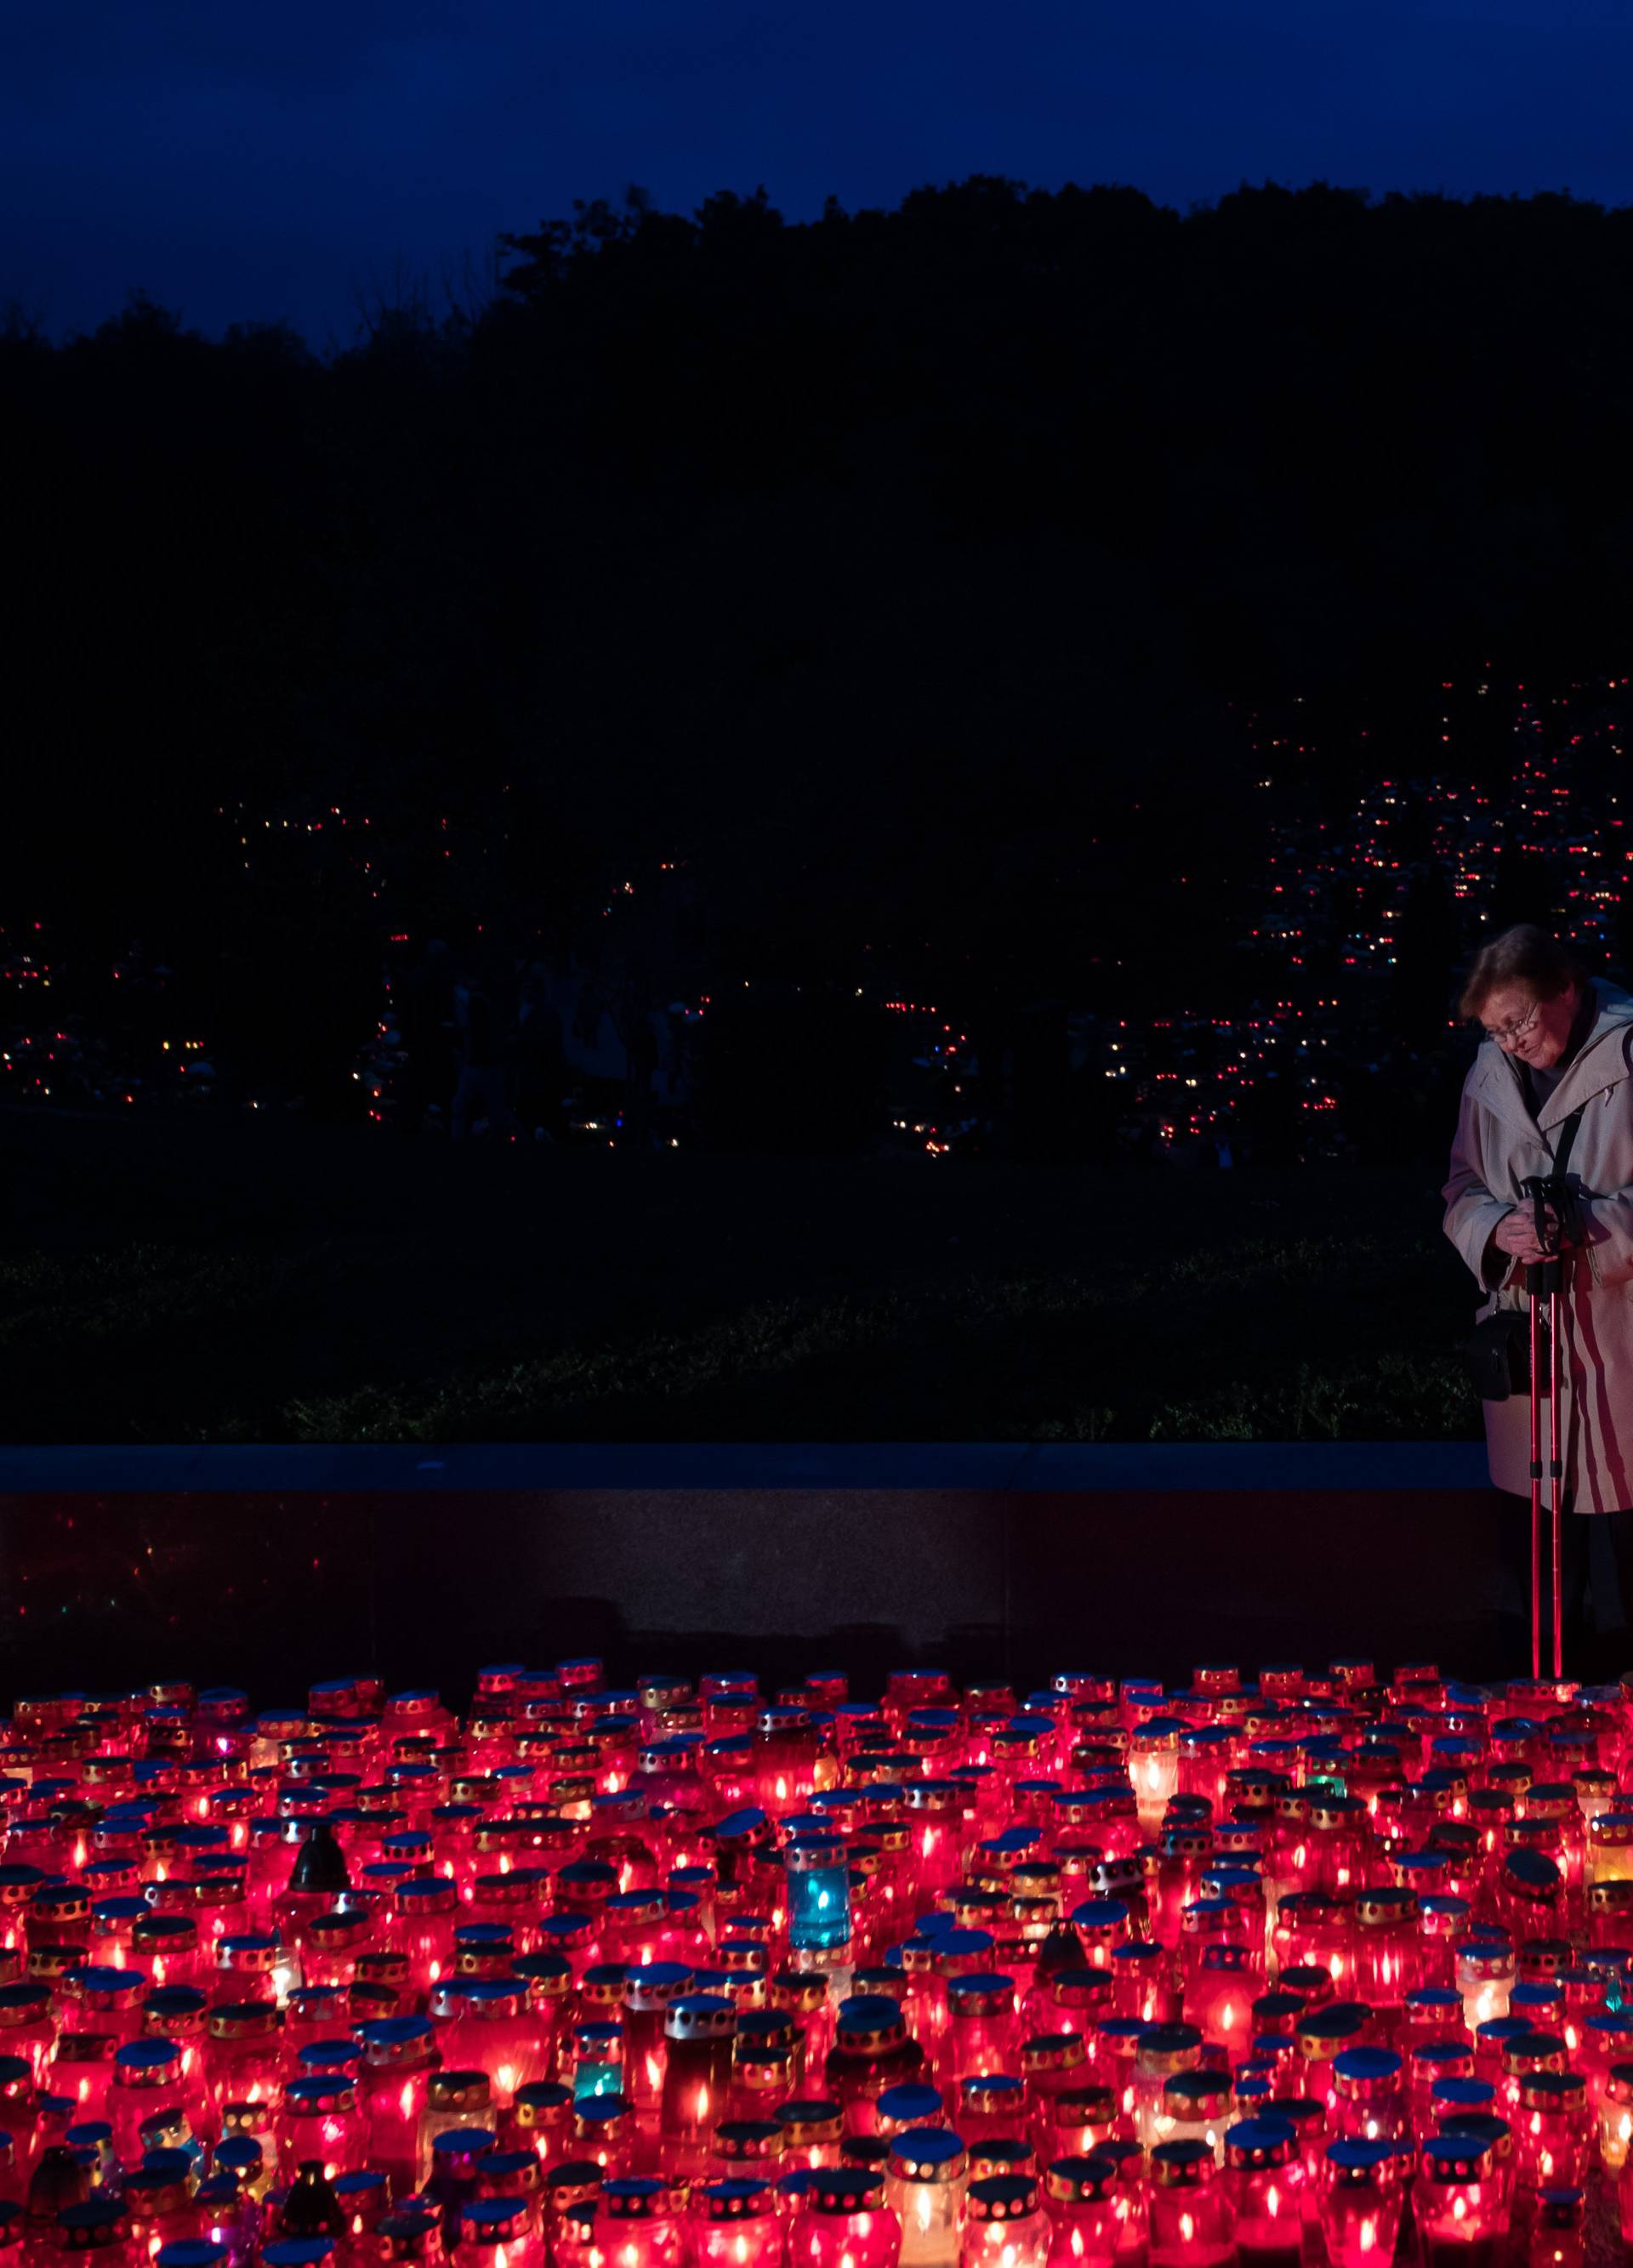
(1524, 955)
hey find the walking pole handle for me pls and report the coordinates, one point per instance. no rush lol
(1545, 1191)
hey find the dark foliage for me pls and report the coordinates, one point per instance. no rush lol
(876, 566)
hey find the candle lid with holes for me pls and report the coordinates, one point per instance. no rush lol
(1387, 1907)
(1080, 1988)
(1447, 2158)
(1053, 2053)
(1002, 2197)
(1002, 2154)
(510, 2174)
(1560, 2208)
(93, 2225)
(737, 2199)
(1196, 2094)
(892, 1983)
(845, 2189)
(459, 2090)
(240, 2155)
(654, 1985)
(974, 1994)
(981, 2094)
(495, 2219)
(1356, 2161)
(418, 1894)
(1161, 2049)
(387, 2040)
(1080, 2180)
(1304, 2115)
(1529, 2051)
(869, 2022)
(1362, 2073)
(800, 1991)
(154, 2190)
(572, 2181)
(319, 2092)
(700, 2016)
(927, 2153)
(810, 2119)
(909, 2105)
(635, 2197)
(1181, 2165)
(1324, 2032)
(252, 2119)
(594, 2116)
(1254, 2143)
(458, 2146)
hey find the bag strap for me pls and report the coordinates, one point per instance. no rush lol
(1567, 1136)
(1562, 1159)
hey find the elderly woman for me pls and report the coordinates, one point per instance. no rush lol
(1558, 1042)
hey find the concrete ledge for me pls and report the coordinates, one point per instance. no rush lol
(1304, 1467)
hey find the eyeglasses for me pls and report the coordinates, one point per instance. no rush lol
(1509, 1032)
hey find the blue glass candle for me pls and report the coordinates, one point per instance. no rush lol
(819, 1896)
(598, 2060)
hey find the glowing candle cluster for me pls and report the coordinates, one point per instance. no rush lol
(682, 1976)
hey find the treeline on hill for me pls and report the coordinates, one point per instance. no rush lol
(877, 567)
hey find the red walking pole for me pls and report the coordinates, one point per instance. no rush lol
(1555, 1464)
(1551, 1196)
(1533, 1294)
(1543, 1281)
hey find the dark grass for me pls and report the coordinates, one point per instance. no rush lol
(280, 1282)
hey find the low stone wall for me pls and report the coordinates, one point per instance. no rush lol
(256, 1568)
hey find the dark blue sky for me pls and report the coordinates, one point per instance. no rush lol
(242, 161)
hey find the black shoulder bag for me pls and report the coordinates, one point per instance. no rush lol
(1498, 1350)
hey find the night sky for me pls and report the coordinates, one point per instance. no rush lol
(246, 163)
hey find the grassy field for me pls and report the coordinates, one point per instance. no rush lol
(200, 1283)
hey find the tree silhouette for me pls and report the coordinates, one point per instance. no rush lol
(878, 566)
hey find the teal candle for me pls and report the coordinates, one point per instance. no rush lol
(598, 2060)
(819, 1896)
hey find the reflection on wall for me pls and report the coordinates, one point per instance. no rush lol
(271, 1592)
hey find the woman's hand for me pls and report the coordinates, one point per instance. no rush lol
(1515, 1233)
